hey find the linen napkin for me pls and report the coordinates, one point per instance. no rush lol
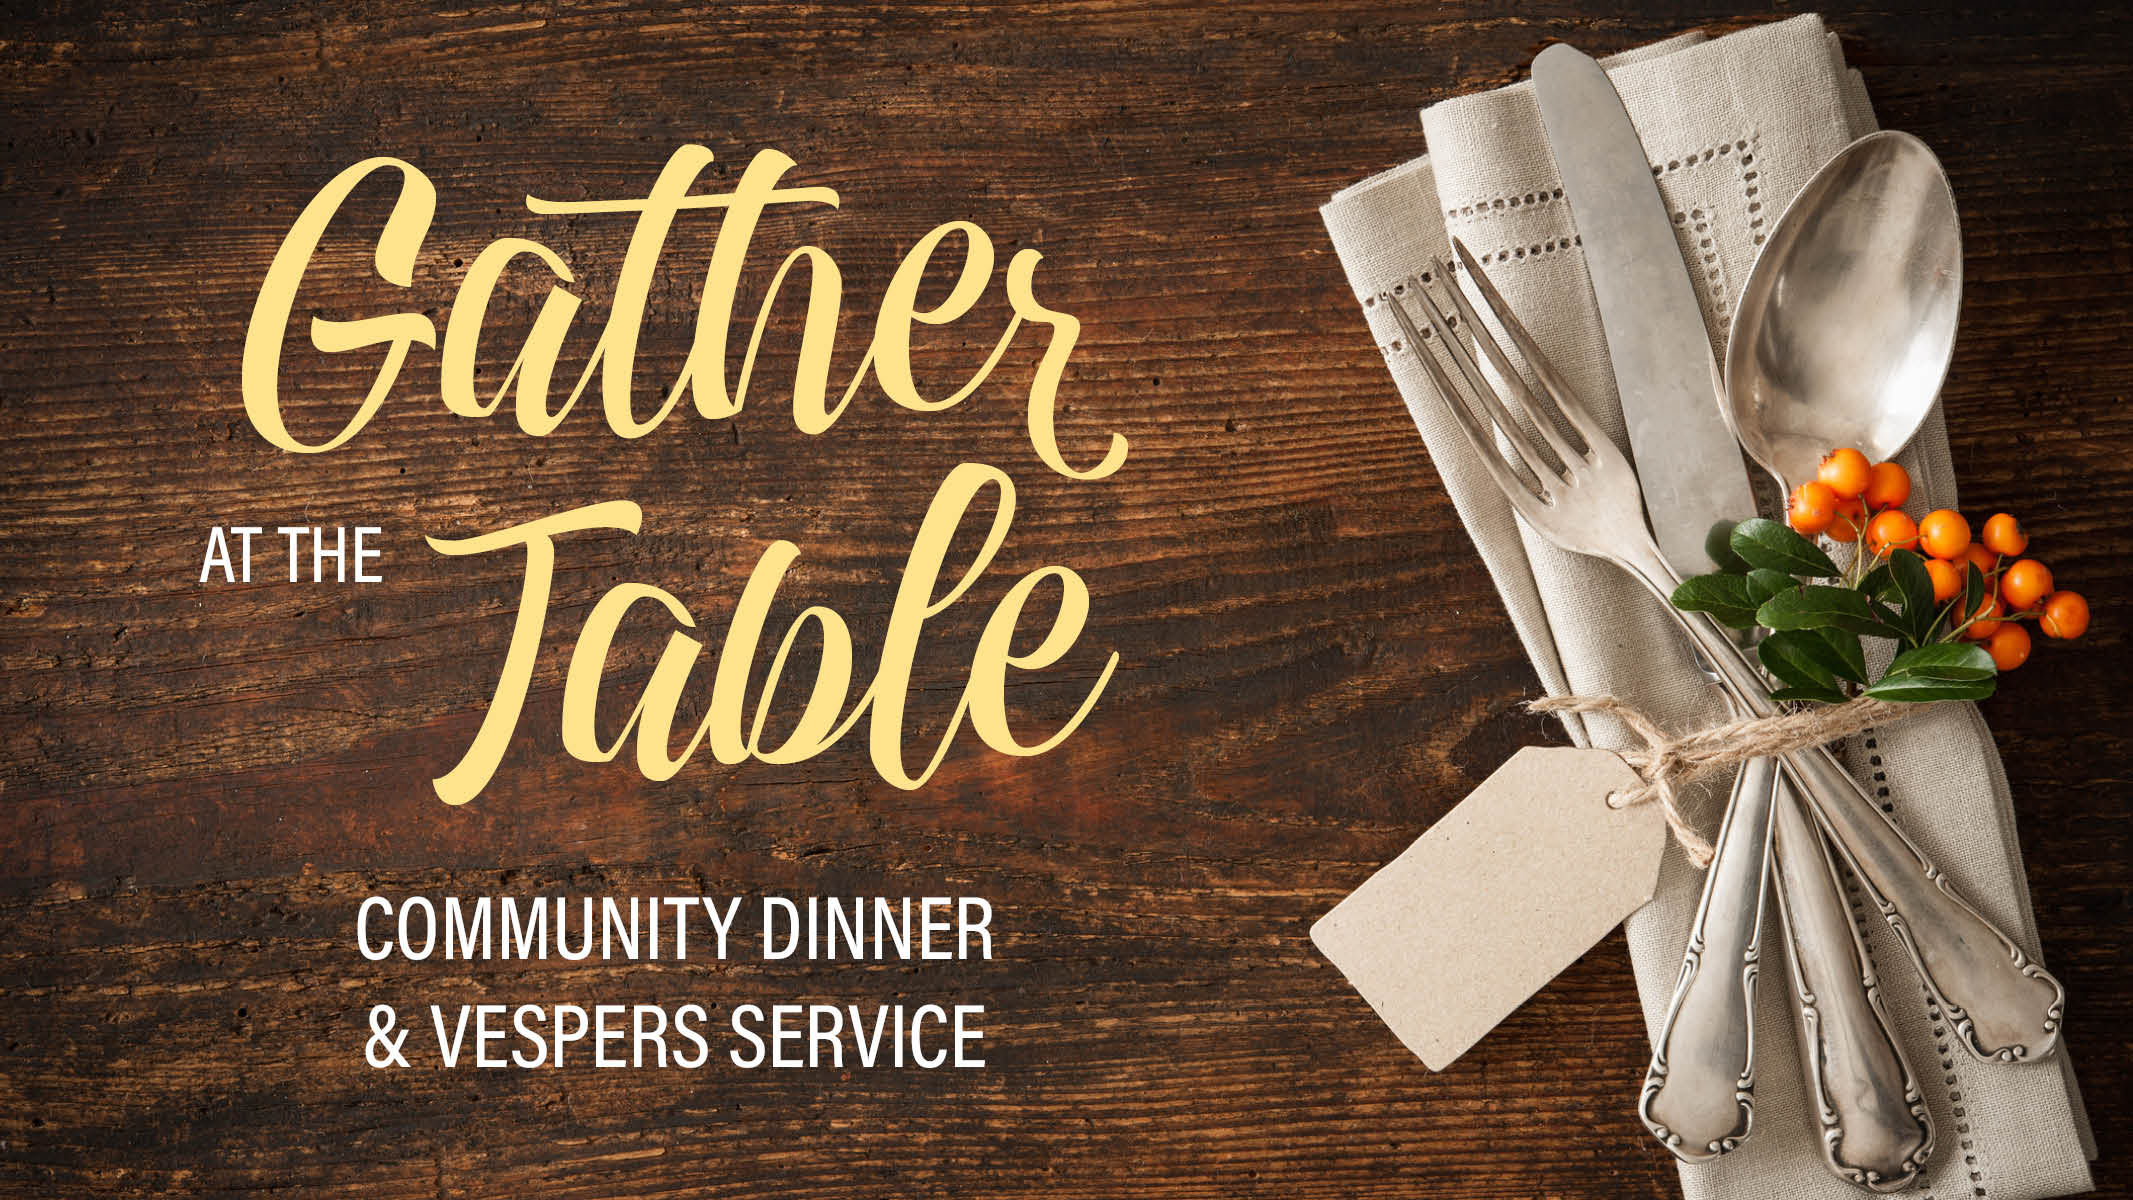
(1734, 127)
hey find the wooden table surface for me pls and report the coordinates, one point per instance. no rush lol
(198, 784)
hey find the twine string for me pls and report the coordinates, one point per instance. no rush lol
(1667, 762)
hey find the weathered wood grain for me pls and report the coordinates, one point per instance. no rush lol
(197, 785)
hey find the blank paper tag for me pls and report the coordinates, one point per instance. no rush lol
(1527, 873)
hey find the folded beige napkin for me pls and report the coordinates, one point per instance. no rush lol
(1734, 127)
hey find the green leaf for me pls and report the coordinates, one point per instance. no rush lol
(1819, 606)
(1725, 597)
(1768, 544)
(1784, 653)
(1763, 583)
(1915, 589)
(1823, 695)
(1944, 671)
(1945, 660)
(1892, 626)
(1973, 593)
(1810, 656)
(1847, 651)
(1718, 543)
(1918, 689)
(1880, 583)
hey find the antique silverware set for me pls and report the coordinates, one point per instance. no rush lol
(1842, 335)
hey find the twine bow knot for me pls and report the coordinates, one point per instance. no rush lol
(1666, 762)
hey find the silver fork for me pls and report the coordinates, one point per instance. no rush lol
(1698, 1094)
(2000, 1005)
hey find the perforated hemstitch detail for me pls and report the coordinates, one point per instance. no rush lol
(1399, 345)
(1751, 189)
(1530, 250)
(1705, 251)
(1397, 289)
(1973, 1156)
(1501, 255)
(1492, 205)
(1484, 208)
(1693, 159)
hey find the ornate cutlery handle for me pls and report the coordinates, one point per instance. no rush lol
(1874, 1126)
(2000, 1005)
(1698, 1094)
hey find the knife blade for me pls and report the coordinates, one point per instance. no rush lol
(1687, 461)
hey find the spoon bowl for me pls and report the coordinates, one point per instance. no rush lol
(1847, 322)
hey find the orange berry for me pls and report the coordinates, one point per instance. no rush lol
(1850, 522)
(2009, 647)
(1985, 623)
(1891, 530)
(2024, 584)
(1947, 581)
(2066, 615)
(1986, 561)
(1887, 486)
(1813, 507)
(1944, 533)
(2003, 535)
(1846, 472)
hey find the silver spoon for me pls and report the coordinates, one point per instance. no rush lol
(1846, 325)
(1842, 337)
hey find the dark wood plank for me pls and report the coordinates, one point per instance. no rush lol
(196, 787)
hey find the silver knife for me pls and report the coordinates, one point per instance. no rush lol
(1698, 1094)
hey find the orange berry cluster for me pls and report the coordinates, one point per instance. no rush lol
(1846, 493)
(1850, 498)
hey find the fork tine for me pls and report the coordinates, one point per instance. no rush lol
(1516, 490)
(1551, 382)
(1528, 403)
(1471, 371)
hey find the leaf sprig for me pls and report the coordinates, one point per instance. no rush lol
(1818, 614)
